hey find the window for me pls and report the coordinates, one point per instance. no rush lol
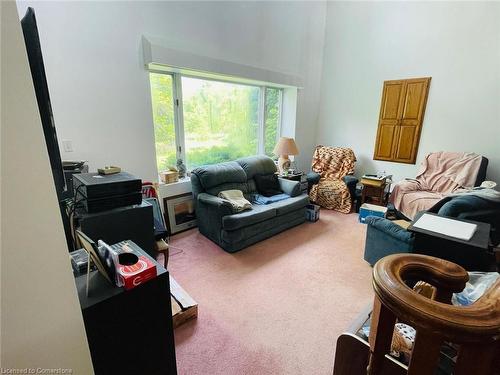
(163, 120)
(207, 121)
(221, 121)
(272, 119)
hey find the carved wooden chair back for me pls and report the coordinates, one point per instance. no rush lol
(475, 328)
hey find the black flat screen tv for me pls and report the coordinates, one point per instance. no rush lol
(34, 51)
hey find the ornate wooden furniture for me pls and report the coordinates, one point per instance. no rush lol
(474, 330)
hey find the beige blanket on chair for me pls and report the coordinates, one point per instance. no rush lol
(441, 174)
(237, 200)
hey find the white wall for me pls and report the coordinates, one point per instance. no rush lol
(41, 320)
(100, 89)
(1, 30)
(456, 43)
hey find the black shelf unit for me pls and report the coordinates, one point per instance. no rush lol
(129, 332)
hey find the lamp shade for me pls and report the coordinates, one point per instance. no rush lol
(286, 146)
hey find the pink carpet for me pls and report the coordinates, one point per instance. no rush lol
(276, 307)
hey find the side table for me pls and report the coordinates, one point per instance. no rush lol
(292, 176)
(377, 194)
(473, 255)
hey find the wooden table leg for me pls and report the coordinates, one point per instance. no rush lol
(163, 248)
(381, 331)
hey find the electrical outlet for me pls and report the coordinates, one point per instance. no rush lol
(67, 146)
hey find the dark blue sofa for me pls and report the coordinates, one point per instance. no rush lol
(235, 231)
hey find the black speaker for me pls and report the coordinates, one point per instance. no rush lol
(125, 223)
(71, 168)
(129, 332)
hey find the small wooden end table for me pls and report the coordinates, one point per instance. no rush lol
(376, 193)
(292, 176)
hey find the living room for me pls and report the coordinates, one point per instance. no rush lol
(141, 85)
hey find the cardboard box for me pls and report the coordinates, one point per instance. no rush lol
(184, 308)
(136, 274)
(312, 212)
(367, 209)
(169, 176)
(127, 274)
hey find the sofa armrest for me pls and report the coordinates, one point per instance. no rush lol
(389, 228)
(351, 182)
(384, 238)
(289, 187)
(313, 178)
(222, 206)
(209, 213)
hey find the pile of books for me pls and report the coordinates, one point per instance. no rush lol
(79, 259)
(373, 180)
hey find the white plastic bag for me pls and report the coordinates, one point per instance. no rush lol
(479, 282)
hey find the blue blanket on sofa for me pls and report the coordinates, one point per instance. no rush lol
(260, 199)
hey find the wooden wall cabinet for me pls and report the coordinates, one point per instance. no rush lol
(400, 121)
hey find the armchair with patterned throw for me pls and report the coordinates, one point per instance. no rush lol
(331, 178)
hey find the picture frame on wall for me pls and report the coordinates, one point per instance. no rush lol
(180, 213)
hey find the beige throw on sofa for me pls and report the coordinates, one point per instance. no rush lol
(237, 200)
(441, 174)
(332, 164)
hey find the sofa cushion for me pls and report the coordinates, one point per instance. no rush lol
(257, 214)
(252, 186)
(290, 204)
(259, 164)
(217, 174)
(267, 184)
(259, 230)
(215, 190)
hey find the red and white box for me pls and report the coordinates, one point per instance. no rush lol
(129, 275)
(136, 274)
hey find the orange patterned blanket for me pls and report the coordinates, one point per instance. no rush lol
(332, 164)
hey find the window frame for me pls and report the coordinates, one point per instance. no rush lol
(262, 141)
(178, 110)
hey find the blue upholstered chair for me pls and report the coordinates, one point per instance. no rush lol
(383, 238)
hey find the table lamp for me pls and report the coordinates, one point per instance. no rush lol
(284, 147)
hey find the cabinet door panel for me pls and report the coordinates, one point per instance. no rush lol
(414, 100)
(391, 100)
(404, 146)
(386, 142)
(390, 113)
(412, 117)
